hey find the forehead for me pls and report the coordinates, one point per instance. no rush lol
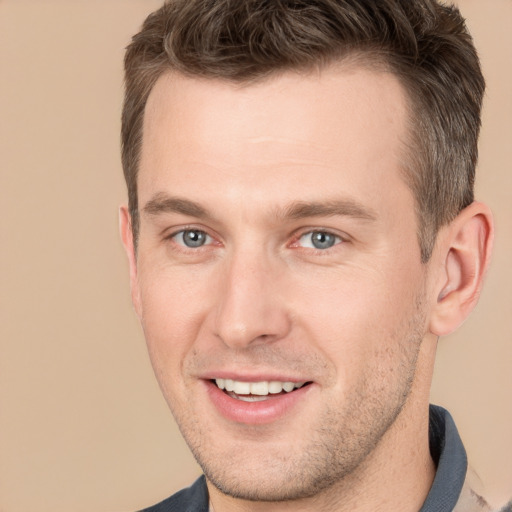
(341, 123)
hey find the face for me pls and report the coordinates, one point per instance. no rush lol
(278, 276)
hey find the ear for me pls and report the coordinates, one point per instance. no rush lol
(126, 231)
(464, 252)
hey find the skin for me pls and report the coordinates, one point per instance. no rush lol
(257, 171)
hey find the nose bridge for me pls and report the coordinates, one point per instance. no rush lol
(250, 309)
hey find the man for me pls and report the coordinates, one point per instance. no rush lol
(301, 229)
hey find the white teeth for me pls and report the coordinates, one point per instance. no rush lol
(275, 387)
(262, 388)
(248, 398)
(288, 386)
(259, 388)
(242, 388)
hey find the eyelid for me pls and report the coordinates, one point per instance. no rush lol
(173, 233)
(213, 239)
(180, 238)
(342, 237)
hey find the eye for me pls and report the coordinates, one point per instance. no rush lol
(318, 240)
(192, 238)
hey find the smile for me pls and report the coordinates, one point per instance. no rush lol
(256, 391)
(257, 402)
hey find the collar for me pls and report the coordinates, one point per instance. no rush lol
(452, 490)
(449, 455)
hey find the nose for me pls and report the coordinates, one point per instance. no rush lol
(251, 308)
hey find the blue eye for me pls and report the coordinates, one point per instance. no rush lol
(192, 238)
(319, 240)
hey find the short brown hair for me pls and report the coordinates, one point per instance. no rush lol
(424, 43)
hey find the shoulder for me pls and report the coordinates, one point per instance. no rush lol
(191, 499)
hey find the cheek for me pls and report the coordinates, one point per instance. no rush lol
(356, 318)
(347, 303)
(173, 310)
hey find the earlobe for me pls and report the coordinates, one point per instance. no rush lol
(465, 251)
(126, 232)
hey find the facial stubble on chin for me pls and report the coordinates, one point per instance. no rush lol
(337, 448)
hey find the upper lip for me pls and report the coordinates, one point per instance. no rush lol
(256, 377)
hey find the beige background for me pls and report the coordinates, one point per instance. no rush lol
(82, 424)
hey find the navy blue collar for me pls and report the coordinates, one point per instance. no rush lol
(449, 455)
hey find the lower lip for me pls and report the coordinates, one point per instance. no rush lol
(255, 413)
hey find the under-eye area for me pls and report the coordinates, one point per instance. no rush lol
(257, 391)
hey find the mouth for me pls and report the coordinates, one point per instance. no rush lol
(257, 391)
(258, 401)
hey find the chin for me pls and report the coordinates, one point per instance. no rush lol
(269, 473)
(266, 488)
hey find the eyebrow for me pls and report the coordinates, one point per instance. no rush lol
(341, 207)
(161, 203)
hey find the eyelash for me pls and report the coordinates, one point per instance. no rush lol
(338, 239)
(173, 236)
